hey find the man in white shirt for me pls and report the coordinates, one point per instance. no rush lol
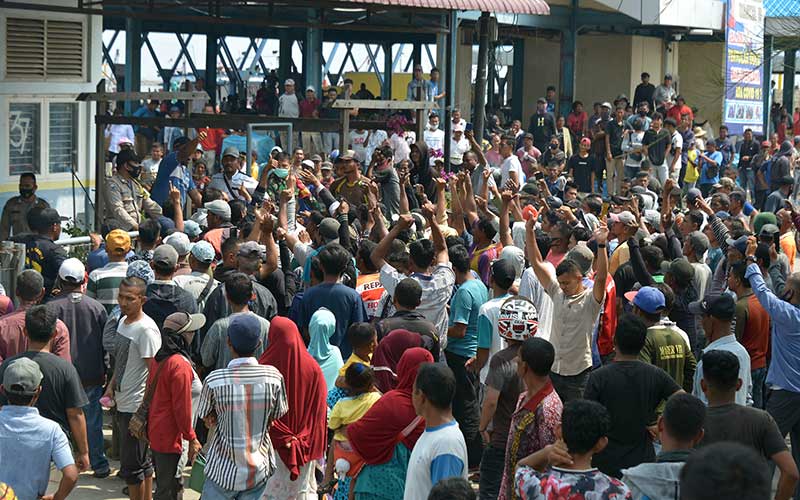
(434, 138)
(289, 107)
(675, 150)
(458, 146)
(358, 143)
(144, 339)
(231, 179)
(440, 452)
(511, 168)
(150, 166)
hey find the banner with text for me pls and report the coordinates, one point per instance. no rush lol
(744, 56)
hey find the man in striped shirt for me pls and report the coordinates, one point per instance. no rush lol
(241, 471)
(104, 282)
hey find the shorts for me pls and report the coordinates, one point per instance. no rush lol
(134, 461)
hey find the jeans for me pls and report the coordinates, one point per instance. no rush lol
(570, 387)
(747, 179)
(631, 171)
(330, 141)
(168, 487)
(784, 406)
(466, 408)
(212, 491)
(758, 376)
(94, 428)
(492, 465)
(616, 168)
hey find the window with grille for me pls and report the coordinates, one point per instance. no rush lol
(24, 137)
(44, 49)
(62, 137)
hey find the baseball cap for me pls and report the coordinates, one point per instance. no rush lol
(769, 230)
(308, 164)
(326, 165)
(45, 218)
(328, 229)
(289, 81)
(668, 76)
(125, 156)
(191, 228)
(180, 242)
(649, 299)
(180, 322)
(541, 100)
(72, 270)
(251, 250)
(179, 142)
(528, 135)
(723, 215)
(764, 144)
(680, 269)
(219, 208)
(653, 217)
(606, 105)
(721, 307)
(582, 256)
(739, 244)
(231, 151)
(692, 195)
(203, 251)
(22, 377)
(118, 242)
(530, 188)
(554, 202)
(503, 273)
(311, 88)
(786, 181)
(347, 154)
(586, 141)
(458, 128)
(199, 148)
(316, 158)
(625, 217)
(165, 255)
(244, 332)
(141, 269)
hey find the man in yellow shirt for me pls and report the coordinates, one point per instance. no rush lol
(788, 243)
(624, 226)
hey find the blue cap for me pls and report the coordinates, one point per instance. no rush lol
(649, 299)
(244, 332)
(203, 251)
(192, 229)
(739, 244)
(723, 215)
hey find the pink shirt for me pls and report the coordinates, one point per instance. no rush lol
(14, 341)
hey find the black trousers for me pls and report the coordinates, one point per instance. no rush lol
(466, 409)
(168, 487)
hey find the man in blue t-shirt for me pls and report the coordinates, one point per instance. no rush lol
(173, 169)
(710, 163)
(344, 302)
(462, 345)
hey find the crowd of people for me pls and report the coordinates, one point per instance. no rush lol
(597, 307)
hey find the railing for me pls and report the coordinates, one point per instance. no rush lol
(83, 240)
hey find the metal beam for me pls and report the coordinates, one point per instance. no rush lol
(107, 52)
(165, 79)
(102, 96)
(397, 56)
(450, 82)
(569, 48)
(246, 53)
(328, 61)
(260, 59)
(480, 80)
(284, 57)
(789, 70)
(185, 51)
(430, 56)
(312, 55)
(212, 52)
(256, 58)
(517, 78)
(133, 60)
(373, 64)
(388, 68)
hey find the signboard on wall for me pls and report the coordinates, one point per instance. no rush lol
(744, 55)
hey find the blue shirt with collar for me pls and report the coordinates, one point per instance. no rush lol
(28, 442)
(744, 396)
(784, 367)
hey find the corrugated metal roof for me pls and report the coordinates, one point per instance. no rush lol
(536, 7)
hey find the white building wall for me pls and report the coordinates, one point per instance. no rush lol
(56, 188)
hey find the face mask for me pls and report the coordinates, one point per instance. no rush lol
(25, 192)
(135, 171)
(642, 112)
(553, 146)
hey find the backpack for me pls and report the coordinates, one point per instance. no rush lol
(517, 319)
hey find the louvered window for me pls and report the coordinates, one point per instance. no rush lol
(44, 49)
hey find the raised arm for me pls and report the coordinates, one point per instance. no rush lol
(507, 198)
(441, 202)
(439, 244)
(455, 203)
(476, 148)
(601, 237)
(535, 257)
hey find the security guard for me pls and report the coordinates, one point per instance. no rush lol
(15, 214)
(42, 254)
(127, 199)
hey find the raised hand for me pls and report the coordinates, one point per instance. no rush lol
(440, 183)
(174, 194)
(601, 233)
(405, 221)
(428, 211)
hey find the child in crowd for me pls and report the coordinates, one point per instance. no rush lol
(360, 380)
(364, 339)
(564, 469)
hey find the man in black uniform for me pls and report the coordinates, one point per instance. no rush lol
(542, 126)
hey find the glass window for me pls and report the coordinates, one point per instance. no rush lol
(63, 137)
(24, 137)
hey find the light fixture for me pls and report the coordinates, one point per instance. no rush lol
(701, 32)
(349, 9)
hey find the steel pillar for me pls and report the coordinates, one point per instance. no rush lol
(212, 49)
(518, 78)
(133, 60)
(388, 67)
(416, 54)
(441, 62)
(312, 54)
(284, 58)
(569, 47)
(480, 80)
(789, 69)
(450, 82)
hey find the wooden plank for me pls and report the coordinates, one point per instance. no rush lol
(137, 96)
(376, 104)
(240, 122)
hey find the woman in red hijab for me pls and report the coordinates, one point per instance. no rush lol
(388, 354)
(299, 437)
(385, 435)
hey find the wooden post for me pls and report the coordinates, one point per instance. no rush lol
(100, 161)
(344, 138)
(420, 115)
